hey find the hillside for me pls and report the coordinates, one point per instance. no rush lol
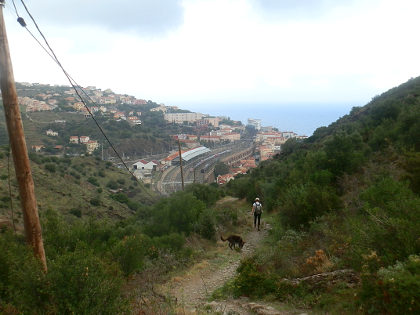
(346, 198)
(77, 188)
(57, 108)
(340, 232)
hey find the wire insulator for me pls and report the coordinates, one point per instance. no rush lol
(21, 21)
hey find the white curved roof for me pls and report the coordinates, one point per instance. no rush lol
(189, 155)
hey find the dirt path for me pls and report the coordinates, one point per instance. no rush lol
(193, 289)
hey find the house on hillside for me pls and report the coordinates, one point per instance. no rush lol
(37, 148)
(92, 145)
(210, 138)
(74, 139)
(134, 120)
(52, 133)
(84, 139)
(223, 179)
(145, 165)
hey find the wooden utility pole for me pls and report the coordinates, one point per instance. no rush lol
(180, 164)
(18, 145)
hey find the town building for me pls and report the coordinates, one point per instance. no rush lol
(52, 133)
(180, 118)
(74, 139)
(92, 145)
(84, 139)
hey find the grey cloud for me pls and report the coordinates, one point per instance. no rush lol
(145, 17)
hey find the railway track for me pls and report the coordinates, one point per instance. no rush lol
(200, 171)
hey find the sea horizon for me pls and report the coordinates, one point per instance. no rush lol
(302, 119)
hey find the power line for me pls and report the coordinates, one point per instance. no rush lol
(72, 82)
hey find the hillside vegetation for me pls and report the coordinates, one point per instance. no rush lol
(346, 198)
(95, 239)
(75, 187)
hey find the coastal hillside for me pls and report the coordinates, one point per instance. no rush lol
(78, 187)
(340, 230)
(346, 207)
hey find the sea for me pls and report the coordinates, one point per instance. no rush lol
(303, 119)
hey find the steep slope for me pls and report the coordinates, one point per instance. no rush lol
(347, 197)
(75, 187)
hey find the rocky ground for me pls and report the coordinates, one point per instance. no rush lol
(192, 290)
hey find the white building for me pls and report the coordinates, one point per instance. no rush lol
(179, 118)
(255, 122)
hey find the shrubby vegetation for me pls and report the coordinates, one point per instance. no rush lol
(347, 197)
(89, 260)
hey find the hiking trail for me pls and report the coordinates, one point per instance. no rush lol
(191, 290)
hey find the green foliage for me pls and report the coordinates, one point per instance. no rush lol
(50, 167)
(93, 181)
(344, 153)
(206, 224)
(389, 223)
(112, 184)
(76, 212)
(412, 167)
(227, 216)
(251, 281)
(176, 214)
(35, 157)
(82, 283)
(392, 290)
(220, 169)
(242, 187)
(123, 198)
(304, 203)
(206, 193)
(77, 282)
(95, 202)
(130, 252)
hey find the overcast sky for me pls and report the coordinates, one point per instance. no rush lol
(219, 52)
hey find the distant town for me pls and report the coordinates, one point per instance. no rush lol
(208, 131)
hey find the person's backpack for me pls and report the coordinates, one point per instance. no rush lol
(258, 208)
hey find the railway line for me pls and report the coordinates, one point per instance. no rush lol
(201, 170)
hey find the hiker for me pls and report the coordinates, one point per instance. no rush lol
(257, 210)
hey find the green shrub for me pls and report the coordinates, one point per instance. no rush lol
(252, 281)
(173, 242)
(82, 283)
(130, 253)
(302, 204)
(392, 290)
(93, 181)
(112, 184)
(120, 197)
(206, 193)
(77, 282)
(388, 224)
(50, 167)
(76, 212)
(227, 216)
(206, 225)
(101, 173)
(176, 214)
(35, 158)
(95, 202)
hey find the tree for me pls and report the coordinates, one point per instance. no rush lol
(220, 169)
